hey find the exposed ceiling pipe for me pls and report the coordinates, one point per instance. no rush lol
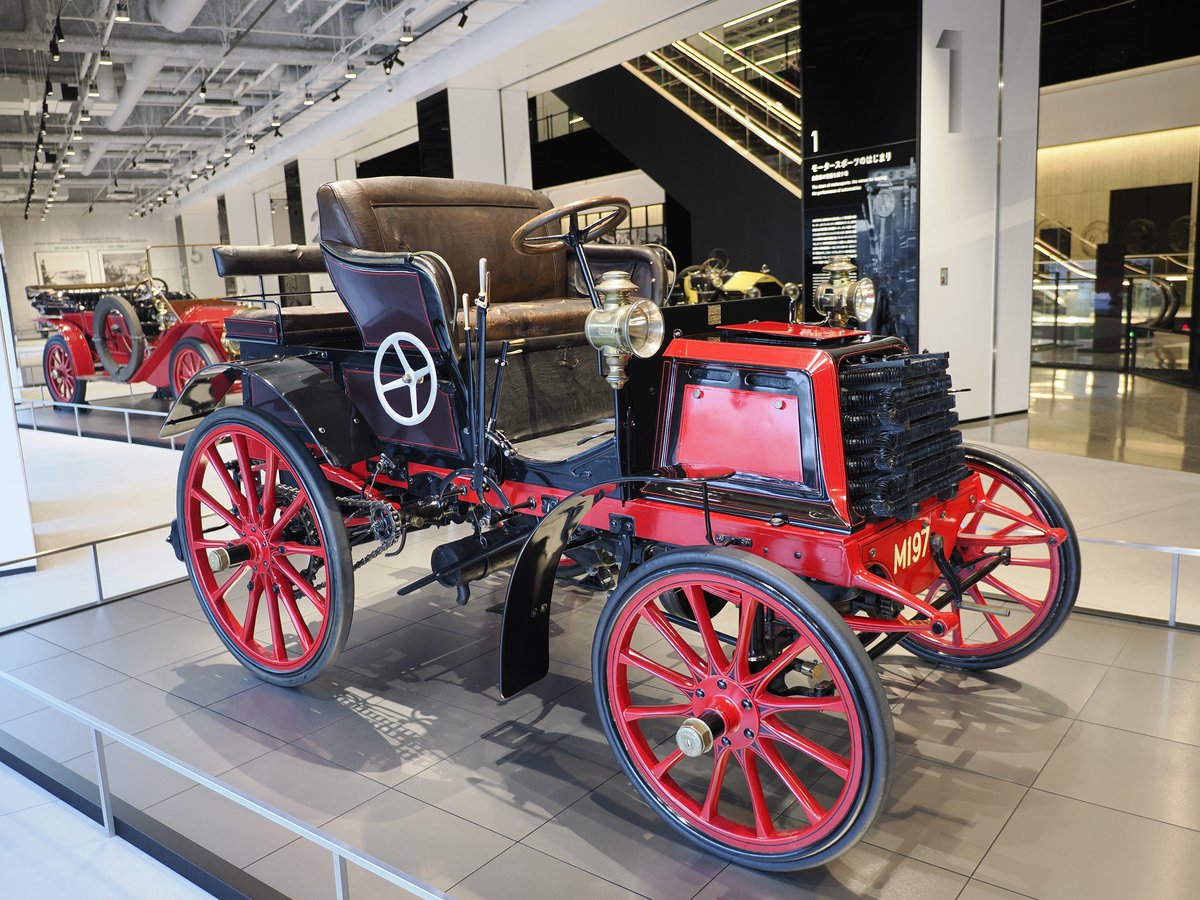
(97, 147)
(105, 83)
(175, 15)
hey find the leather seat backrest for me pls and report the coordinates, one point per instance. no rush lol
(459, 220)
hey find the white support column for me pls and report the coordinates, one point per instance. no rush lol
(243, 229)
(201, 228)
(313, 174)
(514, 121)
(476, 135)
(977, 194)
(16, 525)
(265, 227)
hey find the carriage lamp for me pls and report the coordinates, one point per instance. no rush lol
(622, 326)
(845, 297)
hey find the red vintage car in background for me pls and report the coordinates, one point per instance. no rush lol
(139, 331)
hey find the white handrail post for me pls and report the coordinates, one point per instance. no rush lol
(340, 877)
(110, 824)
(1174, 589)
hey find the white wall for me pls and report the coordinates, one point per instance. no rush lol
(637, 187)
(313, 174)
(976, 218)
(477, 135)
(201, 231)
(16, 525)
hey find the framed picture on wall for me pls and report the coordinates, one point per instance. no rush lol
(64, 267)
(123, 265)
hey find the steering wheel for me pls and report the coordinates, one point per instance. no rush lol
(525, 241)
(411, 378)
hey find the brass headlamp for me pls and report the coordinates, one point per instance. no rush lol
(844, 298)
(623, 326)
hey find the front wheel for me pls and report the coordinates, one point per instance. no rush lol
(761, 733)
(274, 573)
(62, 375)
(1019, 606)
(187, 358)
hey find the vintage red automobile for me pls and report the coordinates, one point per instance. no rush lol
(135, 332)
(777, 506)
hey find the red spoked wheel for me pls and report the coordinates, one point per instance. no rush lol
(62, 377)
(188, 357)
(274, 572)
(760, 733)
(118, 336)
(1021, 605)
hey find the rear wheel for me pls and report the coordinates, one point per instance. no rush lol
(1032, 596)
(188, 357)
(761, 733)
(62, 376)
(274, 572)
(118, 337)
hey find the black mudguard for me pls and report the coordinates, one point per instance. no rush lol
(321, 407)
(525, 631)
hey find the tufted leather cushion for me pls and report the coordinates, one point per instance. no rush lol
(459, 220)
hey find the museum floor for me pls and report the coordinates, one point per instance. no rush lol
(1074, 773)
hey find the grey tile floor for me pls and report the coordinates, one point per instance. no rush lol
(1074, 773)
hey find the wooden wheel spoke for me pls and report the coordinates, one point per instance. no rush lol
(277, 645)
(667, 763)
(993, 621)
(712, 797)
(741, 651)
(811, 806)
(785, 734)
(763, 824)
(270, 471)
(298, 624)
(290, 573)
(287, 515)
(708, 634)
(248, 621)
(219, 593)
(771, 703)
(291, 547)
(1016, 518)
(690, 658)
(670, 676)
(758, 682)
(1030, 563)
(635, 713)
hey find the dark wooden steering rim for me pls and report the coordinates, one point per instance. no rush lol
(525, 241)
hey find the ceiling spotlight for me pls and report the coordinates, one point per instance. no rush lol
(208, 164)
(308, 98)
(194, 176)
(251, 149)
(275, 123)
(350, 72)
(122, 13)
(54, 54)
(162, 198)
(42, 129)
(84, 115)
(406, 33)
(93, 90)
(49, 94)
(462, 22)
(228, 153)
(203, 88)
(248, 139)
(387, 64)
(176, 192)
(58, 32)
(105, 58)
(77, 135)
(70, 150)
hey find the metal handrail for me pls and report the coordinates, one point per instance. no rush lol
(1176, 554)
(342, 852)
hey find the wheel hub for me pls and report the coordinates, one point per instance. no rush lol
(724, 712)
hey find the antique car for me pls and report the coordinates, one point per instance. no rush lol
(713, 280)
(777, 506)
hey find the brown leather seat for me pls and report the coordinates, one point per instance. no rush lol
(461, 221)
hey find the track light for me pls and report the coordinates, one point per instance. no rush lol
(350, 71)
(122, 13)
(248, 139)
(93, 90)
(275, 123)
(308, 98)
(203, 88)
(251, 148)
(84, 115)
(77, 135)
(70, 150)
(337, 95)
(277, 133)
(462, 22)
(58, 32)
(54, 54)
(208, 164)
(406, 33)
(388, 62)
(228, 153)
(105, 58)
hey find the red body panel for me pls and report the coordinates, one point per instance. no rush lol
(78, 344)
(767, 432)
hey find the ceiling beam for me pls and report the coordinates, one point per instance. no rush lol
(248, 51)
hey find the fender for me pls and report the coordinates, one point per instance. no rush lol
(78, 345)
(322, 408)
(525, 630)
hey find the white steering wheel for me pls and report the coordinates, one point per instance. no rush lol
(411, 378)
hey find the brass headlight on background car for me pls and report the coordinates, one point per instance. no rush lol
(845, 298)
(623, 326)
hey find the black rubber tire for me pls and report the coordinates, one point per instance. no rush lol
(840, 645)
(338, 569)
(1040, 495)
(79, 393)
(206, 352)
(137, 337)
